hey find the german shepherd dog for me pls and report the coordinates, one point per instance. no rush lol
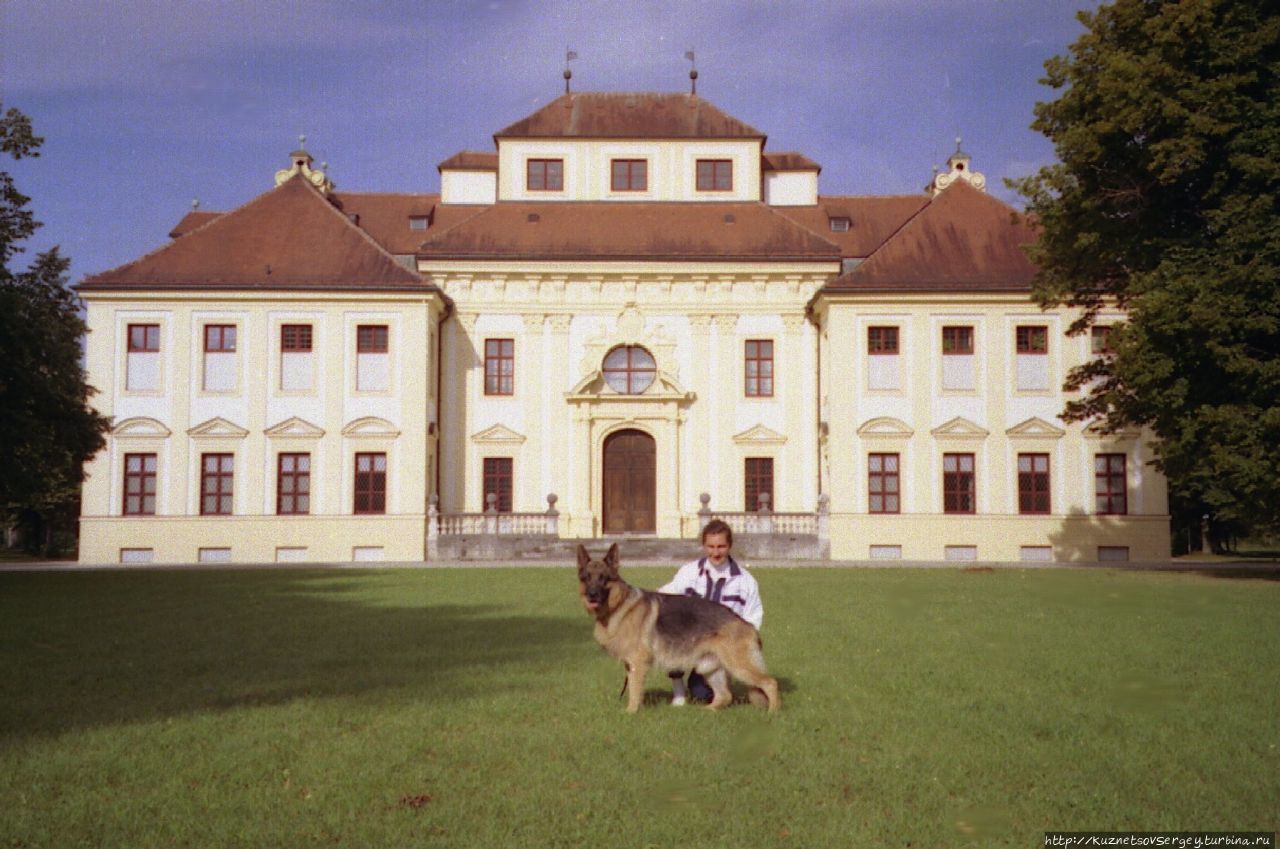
(673, 632)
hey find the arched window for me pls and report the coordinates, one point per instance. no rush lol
(629, 369)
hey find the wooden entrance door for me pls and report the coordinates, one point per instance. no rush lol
(630, 490)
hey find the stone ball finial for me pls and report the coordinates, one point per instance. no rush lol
(705, 499)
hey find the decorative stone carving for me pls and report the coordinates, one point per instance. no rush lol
(301, 164)
(958, 163)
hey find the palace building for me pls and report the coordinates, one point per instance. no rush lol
(627, 315)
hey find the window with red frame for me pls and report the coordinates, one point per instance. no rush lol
(957, 340)
(497, 480)
(883, 483)
(758, 476)
(499, 366)
(544, 175)
(1032, 339)
(1100, 340)
(1110, 484)
(715, 175)
(759, 368)
(372, 339)
(629, 175)
(958, 485)
(139, 484)
(219, 338)
(295, 338)
(371, 483)
(882, 340)
(144, 338)
(1033, 484)
(216, 481)
(293, 484)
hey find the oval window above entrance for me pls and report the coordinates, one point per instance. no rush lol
(629, 369)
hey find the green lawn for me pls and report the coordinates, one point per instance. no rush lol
(471, 708)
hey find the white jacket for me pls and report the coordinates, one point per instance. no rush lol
(730, 585)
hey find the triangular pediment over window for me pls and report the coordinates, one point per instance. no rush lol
(1036, 427)
(759, 435)
(500, 434)
(217, 428)
(593, 388)
(295, 428)
(370, 426)
(885, 426)
(960, 428)
(140, 427)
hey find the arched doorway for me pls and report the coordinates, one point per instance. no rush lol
(630, 491)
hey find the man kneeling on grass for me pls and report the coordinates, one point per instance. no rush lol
(716, 577)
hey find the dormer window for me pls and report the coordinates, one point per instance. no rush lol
(417, 222)
(839, 224)
(629, 175)
(715, 175)
(545, 175)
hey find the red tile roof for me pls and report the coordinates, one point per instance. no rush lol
(872, 220)
(290, 237)
(788, 161)
(962, 240)
(470, 160)
(191, 221)
(603, 230)
(639, 115)
(385, 216)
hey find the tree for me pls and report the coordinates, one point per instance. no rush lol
(1164, 203)
(47, 429)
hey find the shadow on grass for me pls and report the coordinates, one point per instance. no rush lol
(84, 650)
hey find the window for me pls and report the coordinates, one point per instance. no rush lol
(958, 483)
(545, 175)
(144, 338)
(758, 476)
(1033, 483)
(219, 338)
(839, 225)
(142, 368)
(1110, 484)
(629, 369)
(371, 483)
(499, 366)
(372, 346)
(295, 338)
(1033, 339)
(882, 340)
(497, 482)
(1100, 340)
(219, 358)
(957, 340)
(371, 339)
(759, 368)
(417, 222)
(139, 484)
(715, 175)
(216, 477)
(293, 485)
(883, 483)
(629, 175)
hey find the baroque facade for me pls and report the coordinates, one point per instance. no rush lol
(628, 304)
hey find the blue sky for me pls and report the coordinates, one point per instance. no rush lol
(147, 104)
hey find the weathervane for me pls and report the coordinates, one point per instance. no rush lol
(569, 56)
(693, 72)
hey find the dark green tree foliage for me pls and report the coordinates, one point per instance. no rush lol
(47, 429)
(1164, 201)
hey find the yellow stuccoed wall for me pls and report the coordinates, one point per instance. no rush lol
(257, 421)
(994, 421)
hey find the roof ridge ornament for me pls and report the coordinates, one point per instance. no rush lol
(693, 72)
(569, 56)
(300, 163)
(958, 163)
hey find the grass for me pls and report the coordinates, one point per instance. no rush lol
(470, 708)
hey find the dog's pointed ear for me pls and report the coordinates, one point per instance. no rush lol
(611, 559)
(583, 557)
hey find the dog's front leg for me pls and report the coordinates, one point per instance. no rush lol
(636, 671)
